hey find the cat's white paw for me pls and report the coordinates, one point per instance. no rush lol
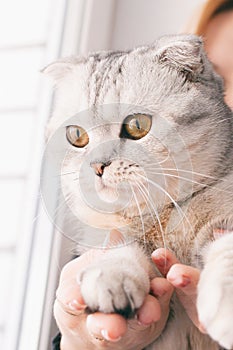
(114, 286)
(215, 293)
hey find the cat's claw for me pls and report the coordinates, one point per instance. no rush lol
(108, 288)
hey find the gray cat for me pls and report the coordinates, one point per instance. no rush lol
(149, 151)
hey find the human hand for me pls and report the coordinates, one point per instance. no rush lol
(80, 330)
(184, 279)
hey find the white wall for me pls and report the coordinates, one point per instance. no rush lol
(121, 24)
(141, 21)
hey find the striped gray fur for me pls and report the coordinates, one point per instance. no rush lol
(172, 187)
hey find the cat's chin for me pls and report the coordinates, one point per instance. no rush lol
(108, 195)
(117, 192)
(102, 220)
(91, 216)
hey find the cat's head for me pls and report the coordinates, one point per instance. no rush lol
(141, 128)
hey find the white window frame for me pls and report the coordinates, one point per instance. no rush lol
(23, 325)
(40, 250)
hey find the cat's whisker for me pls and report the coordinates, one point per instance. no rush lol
(150, 201)
(151, 207)
(180, 177)
(185, 171)
(181, 171)
(140, 213)
(68, 173)
(61, 205)
(125, 209)
(164, 160)
(59, 175)
(216, 121)
(160, 188)
(178, 208)
(182, 213)
(204, 185)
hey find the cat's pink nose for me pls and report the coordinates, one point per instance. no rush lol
(99, 167)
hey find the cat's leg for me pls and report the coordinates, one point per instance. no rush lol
(119, 282)
(215, 288)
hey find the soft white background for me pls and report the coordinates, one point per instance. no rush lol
(32, 33)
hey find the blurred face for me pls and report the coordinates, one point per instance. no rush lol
(219, 47)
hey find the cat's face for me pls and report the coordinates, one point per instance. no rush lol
(138, 129)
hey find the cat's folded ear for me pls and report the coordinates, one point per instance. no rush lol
(185, 53)
(59, 69)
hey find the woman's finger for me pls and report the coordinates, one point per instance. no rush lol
(149, 312)
(164, 259)
(162, 289)
(69, 296)
(111, 327)
(185, 279)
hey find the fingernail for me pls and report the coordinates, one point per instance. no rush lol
(106, 336)
(160, 259)
(180, 281)
(145, 317)
(96, 331)
(143, 322)
(75, 305)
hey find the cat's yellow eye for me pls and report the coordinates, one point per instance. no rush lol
(77, 136)
(136, 126)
